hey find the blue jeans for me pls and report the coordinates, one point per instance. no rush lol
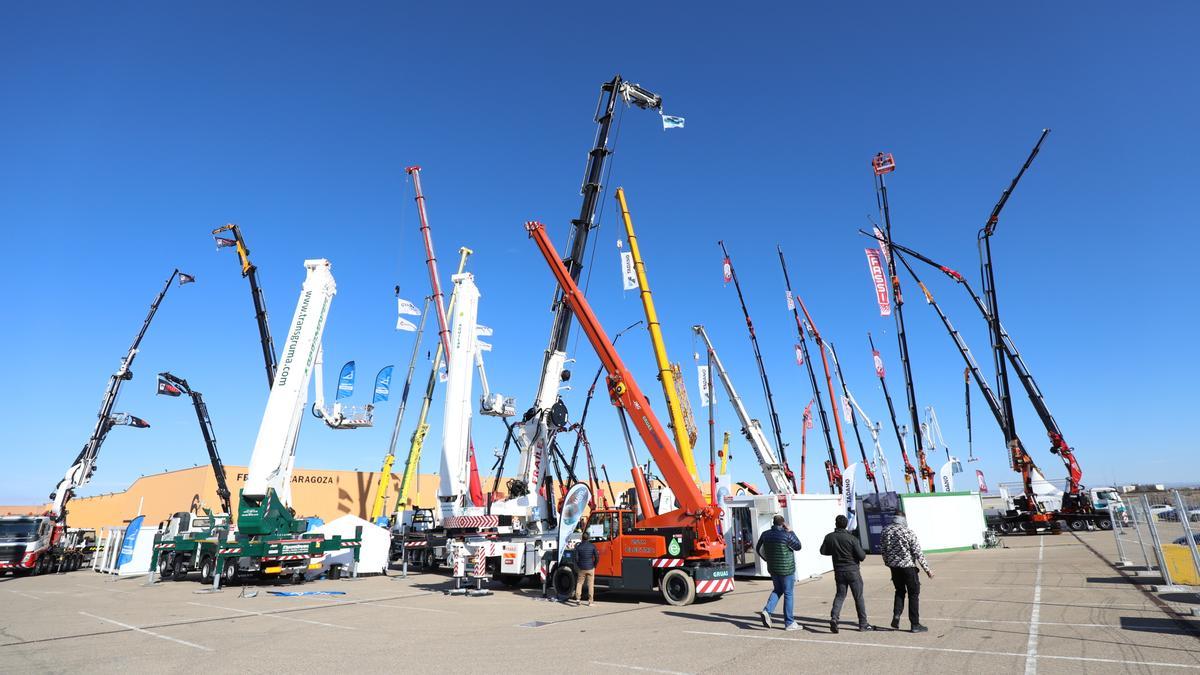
(782, 589)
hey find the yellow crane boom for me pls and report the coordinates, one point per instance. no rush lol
(665, 375)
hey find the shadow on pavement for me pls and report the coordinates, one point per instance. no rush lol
(1109, 580)
(1163, 625)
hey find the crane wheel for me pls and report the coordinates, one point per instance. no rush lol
(229, 573)
(563, 581)
(207, 569)
(678, 588)
(1077, 524)
(1104, 524)
(178, 569)
(164, 567)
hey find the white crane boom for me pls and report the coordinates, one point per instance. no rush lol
(881, 464)
(456, 420)
(777, 481)
(274, 455)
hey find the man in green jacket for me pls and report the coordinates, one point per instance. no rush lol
(777, 546)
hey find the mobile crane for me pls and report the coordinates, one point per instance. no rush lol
(680, 553)
(535, 435)
(43, 543)
(178, 542)
(270, 541)
(250, 272)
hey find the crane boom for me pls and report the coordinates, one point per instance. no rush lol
(534, 435)
(666, 375)
(417, 441)
(773, 470)
(853, 419)
(882, 168)
(210, 436)
(881, 464)
(1058, 444)
(910, 472)
(81, 470)
(250, 272)
(456, 416)
(267, 494)
(628, 398)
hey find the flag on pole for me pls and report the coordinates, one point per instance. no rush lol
(703, 374)
(223, 242)
(629, 278)
(878, 362)
(574, 504)
(345, 382)
(405, 307)
(880, 280)
(185, 278)
(808, 420)
(727, 269)
(383, 385)
(847, 414)
(799, 354)
(482, 330)
(406, 325)
(672, 122)
(137, 422)
(982, 484)
(167, 389)
(791, 303)
(484, 346)
(946, 476)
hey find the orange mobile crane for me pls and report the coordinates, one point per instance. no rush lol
(680, 553)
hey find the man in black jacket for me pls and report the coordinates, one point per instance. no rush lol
(586, 557)
(847, 553)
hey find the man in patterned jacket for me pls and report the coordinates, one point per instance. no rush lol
(902, 553)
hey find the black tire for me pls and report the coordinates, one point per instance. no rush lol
(164, 567)
(563, 581)
(229, 573)
(428, 562)
(179, 569)
(1104, 524)
(1077, 524)
(678, 588)
(297, 578)
(207, 569)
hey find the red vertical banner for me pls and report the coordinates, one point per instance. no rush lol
(982, 485)
(880, 279)
(878, 363)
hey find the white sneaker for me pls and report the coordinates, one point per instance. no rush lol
(793, 626)
(766, 619)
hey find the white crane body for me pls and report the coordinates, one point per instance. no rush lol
(456, 417)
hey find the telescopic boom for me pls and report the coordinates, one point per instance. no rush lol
(250, 272)
(210, 436)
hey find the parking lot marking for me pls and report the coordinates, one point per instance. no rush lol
(1031, 646)
(984, 652)
(638, 668)
(110, 590)
(22, 594)
(147, 632)
(273, 615)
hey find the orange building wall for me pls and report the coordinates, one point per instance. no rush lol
(324, 494)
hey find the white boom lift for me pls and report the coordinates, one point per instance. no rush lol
(881, 464)
(270, 539)
(456, 415)
(773, 471)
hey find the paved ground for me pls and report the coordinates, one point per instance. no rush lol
(1052, 603)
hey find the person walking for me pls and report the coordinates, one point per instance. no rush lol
(777, 546)
(586, 557)
(902, 553)
(847, 553)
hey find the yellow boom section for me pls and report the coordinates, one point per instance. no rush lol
(665, 375)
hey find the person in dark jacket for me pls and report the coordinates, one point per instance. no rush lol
(586, 557)
(777, 547)
(847, 553)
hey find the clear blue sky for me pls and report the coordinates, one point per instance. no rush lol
(128, 131)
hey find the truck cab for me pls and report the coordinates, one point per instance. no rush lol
(21, 539)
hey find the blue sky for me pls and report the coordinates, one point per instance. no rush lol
(128, 131)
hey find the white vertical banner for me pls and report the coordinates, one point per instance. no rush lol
(573, 506)
(705, 390)
(791, 302)
(628, 273)
(846, 414)
(946, 474)
(848, 494)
